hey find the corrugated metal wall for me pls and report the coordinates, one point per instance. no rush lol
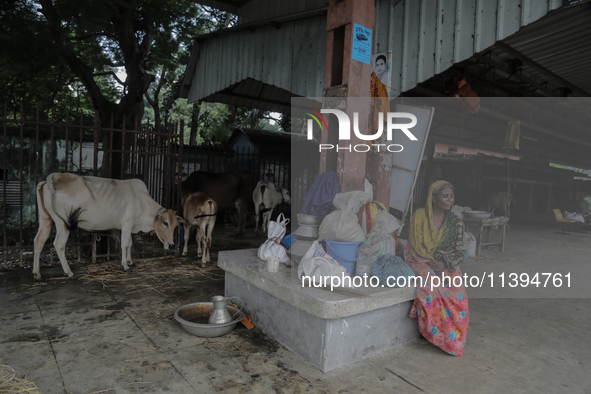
(290, 56)
(427, 37)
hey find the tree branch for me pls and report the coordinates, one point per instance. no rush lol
(113, 74)
(78, 67)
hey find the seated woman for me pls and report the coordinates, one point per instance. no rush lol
(436, 246)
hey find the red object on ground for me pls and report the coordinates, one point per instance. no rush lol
(247, 323)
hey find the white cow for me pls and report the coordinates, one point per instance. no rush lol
(266, 197)
(199, 210)
(96, 204)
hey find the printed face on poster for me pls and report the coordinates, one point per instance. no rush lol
(381, 64)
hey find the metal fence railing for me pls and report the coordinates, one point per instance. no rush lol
(32, 148)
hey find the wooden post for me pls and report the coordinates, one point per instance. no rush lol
(347, 78)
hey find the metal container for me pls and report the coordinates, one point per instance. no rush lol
(307, 231)
(220, 314)
(308, 219)
(194, 319)
(477, 214)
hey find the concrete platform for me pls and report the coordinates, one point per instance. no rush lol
(330, 329)
(119, 336)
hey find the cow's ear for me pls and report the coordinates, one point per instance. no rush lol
(180, 219)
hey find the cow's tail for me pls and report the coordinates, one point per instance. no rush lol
(73, 219)
(41, 202)
(264, 188)
(210, 210)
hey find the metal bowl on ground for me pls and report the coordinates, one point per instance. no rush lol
(308, 219)
(194, 319)
(477, 214)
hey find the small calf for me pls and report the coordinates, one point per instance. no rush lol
(266, 197)
(199, 210)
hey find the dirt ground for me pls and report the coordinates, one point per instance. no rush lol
(113, 332)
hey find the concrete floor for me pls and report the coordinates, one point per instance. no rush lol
(115, 333)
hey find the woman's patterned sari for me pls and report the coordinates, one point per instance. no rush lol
(442, 311)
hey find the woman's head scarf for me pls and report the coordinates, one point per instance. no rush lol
(423, 236)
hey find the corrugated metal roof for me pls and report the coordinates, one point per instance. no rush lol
(561, 43)
(265, 66)
(249, 11)
(260, 67)
(427, 37)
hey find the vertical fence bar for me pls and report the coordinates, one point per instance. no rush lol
(122, 172)
(52, 150)
(146, 154)
(134, 155)
(67, 121)
(20, 166)
(96, 137)
(81, 142)
(109, 148)
(180, 175)
(37, 158)
(4, 181)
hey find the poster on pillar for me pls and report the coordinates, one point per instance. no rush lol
(361, 44)
(407, 163)
(381, 64)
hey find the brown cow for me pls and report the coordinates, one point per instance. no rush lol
(230, 190)
(500, 201)
(199, 210)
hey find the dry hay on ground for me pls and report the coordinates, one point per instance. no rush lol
(156, 273)
(11, 382)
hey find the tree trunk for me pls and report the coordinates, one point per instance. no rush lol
(196, 109)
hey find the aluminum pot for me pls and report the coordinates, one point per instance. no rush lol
(194, 319)
(477, 214)
(308, 231)
(308, 219)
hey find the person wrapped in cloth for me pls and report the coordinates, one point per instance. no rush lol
(435, 246)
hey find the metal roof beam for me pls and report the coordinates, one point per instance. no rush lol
(506, 69)
(540, 68)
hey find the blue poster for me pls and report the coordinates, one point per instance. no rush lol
(361, 43)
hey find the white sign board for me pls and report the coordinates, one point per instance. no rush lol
(87, 157)
(406, 164)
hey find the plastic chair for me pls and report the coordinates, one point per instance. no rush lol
(562, 220)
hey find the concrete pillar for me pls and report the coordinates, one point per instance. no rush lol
(348, 78)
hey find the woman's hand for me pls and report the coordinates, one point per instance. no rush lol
(437, 266)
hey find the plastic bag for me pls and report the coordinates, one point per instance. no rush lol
(317, 264)
(376, 245)
(342, 225)
(390, 266)
(369, 213)
(382, 240)
(471, 244)
(272, 246)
